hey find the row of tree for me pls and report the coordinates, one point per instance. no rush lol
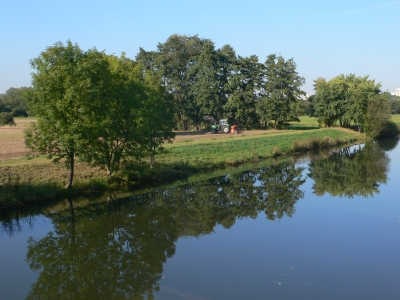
(198, 80)
(104, 109)
(203, 80)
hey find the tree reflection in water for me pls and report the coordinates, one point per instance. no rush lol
(116, 250)
(350, 172)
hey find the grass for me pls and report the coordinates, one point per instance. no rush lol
(25, 181)
(241, 149)
(396, 119)
(306, 123)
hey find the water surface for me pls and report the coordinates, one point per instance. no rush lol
(321, 229)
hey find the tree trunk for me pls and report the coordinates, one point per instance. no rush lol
(71, 209)
(71, 170)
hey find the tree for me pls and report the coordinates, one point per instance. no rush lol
(6, 119)
(105, 110)
(395, 104)
(174, 63)
(214, 70)
(66, 85)
(344, 99)
(242, 89)
(377, 116)
(281, 92)
(14, 101)
(136, 122)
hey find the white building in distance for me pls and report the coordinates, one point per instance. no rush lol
(396, 92)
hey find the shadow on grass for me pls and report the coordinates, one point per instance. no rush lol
(299, 127)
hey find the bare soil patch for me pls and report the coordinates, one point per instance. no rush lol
(12, 142)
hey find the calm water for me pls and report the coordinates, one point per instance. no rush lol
(324, 229)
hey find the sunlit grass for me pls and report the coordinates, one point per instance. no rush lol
(305, 123)
(396, 119)
(240, 149)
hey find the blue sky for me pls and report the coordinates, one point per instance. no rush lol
(325, 38)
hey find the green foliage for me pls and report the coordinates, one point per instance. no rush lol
(6, 119)
(395, 105)
(66, 85)
(137, 120)
(281, 89)
(103, 109)
(377, 116)
(344, 99)
(307, 107)
(391, 130)
(175, 64)
(216, 82)
(245, 77)
(14, 101)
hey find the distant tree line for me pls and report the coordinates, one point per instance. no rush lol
(14, 102)
(395, 104)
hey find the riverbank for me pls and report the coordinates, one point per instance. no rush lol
(25, 181)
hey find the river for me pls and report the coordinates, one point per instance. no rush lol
(327, 227)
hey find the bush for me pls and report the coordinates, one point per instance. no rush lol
(390, 130)
(6, 119)
(19, 112)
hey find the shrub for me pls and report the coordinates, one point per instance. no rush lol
(6, 119)
(276, 151)
(325, 142)
(390, 130)
(19, 112)
(313, 143)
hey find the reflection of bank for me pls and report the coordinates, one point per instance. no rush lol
(118, 248)
(350, 172)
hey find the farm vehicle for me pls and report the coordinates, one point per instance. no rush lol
(222, 125)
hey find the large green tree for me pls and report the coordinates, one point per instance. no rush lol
(136, 120)
(66, 85)
(281, 92)
(105, 110)
(174, 62)
(242, 87)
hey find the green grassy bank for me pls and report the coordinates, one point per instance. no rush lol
(29, 181)
(239, 149)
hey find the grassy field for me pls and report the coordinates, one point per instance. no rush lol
(23, 180)
(238, 149)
